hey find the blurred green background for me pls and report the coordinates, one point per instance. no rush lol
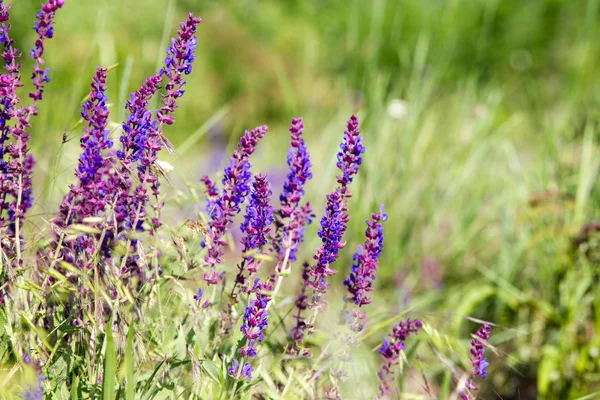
(481, 126)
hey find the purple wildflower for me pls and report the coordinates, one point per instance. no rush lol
(258, 218)
(9, 83)
(236, 186)
(299, 162)
(255, 229)
(142, 136)
(391, 348)
(335, 220)
(245, 373)
(45, 30)
(254, 322)
(349, 157)
(180, 57)
(292, 232)
(249, 350)
(366, 261)
(333, 225)
(16, 163)
(255, 317)
(198, 298)
(477, 359)
(87, 197)
(133, 140)
(34, 392)
(212, 193)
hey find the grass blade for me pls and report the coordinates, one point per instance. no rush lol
(129, 359)
(110, 367)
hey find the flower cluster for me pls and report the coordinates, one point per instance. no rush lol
(391, 348)
(88, 196)
(9, 184)
(179, 60)
(366, 261)
(142, 136)
(198, 299)
(477, 359)
(236, 186)
(349, 157)
(244, 373)
(211, 191)
(292, 232)
(253, 324)
(255, 230)
(106, 186)
(255, 319)
(45, 30)
(180, 57)
(335, 220)
(333, 223)
(259, 216)
(299, 163)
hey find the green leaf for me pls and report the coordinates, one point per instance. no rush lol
(110, 366)
(151, 378)
(129, 360)
(212, 369)
(180, 347)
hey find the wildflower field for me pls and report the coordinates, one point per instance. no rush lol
(390, 199)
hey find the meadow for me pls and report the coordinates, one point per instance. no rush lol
(479, 122)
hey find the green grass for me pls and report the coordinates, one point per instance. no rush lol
(490, 174)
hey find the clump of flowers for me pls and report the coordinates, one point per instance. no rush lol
(224, 207)
(143, 136)
(358, 284)
(16, 162)
(108, 248)
(333, 226)
(478, 361)
(100, 225)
